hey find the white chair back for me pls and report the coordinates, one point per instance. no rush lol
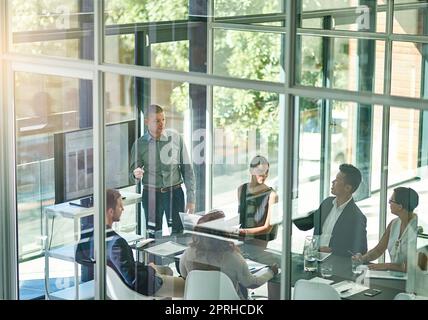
(404, 296)
(209, 285)
(309, 290)
(118, 290)
(409, 296)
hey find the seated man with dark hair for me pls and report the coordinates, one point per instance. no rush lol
(147, 280)
(338, 221)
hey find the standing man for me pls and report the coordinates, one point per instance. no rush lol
(338, 221)
(159, 159)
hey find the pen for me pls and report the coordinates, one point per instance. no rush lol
(258, 269)
(351, 252)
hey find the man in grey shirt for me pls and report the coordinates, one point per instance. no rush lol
(159, 159)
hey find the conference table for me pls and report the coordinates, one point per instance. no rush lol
(389, 287)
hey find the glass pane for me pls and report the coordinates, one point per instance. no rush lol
(407, 199)
(124, 12)
(248, 55)
(54, 166)
(53, 27)
(245, 124)
(408, 73)
(268, 13)
(135, 213)
(224, 8)
(343, 15)
(332, 133)
(335, 63)
(147, 34)
(410, 17)
(153, 34)
(246, 129)
(310, 122)
(404, 131)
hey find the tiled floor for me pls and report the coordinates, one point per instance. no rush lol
(35, 288)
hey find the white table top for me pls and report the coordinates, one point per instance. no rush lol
(70, 211)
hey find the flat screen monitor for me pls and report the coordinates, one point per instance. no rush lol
(74, 160)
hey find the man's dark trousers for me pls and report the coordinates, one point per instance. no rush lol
(156, 203)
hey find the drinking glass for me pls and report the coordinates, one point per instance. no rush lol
(310, 254)
(326, 270)
(355, 266)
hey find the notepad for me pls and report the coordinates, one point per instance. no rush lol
(254, 266)
(321, 280)
(348, 288)
(166, 249)
(144, 242)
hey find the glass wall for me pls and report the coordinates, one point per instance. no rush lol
(54, 164)
(217, 68)
(52, 28)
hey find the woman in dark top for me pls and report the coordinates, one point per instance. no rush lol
(256, 200)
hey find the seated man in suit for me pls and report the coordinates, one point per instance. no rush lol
(145, 279)
(338, 221)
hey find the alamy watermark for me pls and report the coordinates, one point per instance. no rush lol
(228, 148)
(363, 19)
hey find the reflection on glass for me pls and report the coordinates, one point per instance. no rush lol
(343, 15)
(124, 12)
(411, 20)
(346, 69)
(409, 171)
(404, 131)
(154, 34)
(309, 154)
(225, 8)
(350, 128)
(54, 28)
(45, 106)
(245, 124)
(407, 72)
(121, 106)
(248, 55)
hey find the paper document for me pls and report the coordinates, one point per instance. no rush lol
(131, 237)
(261, 272)
(323, 255)
(189, 221)
(321, 280)
(166, 249)
(255, 266)
(348, 288)
(222, 227)
(386, 274)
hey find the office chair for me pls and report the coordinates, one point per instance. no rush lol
(209, 285)
(409, 296)
(308, 290)
(404, 296)
(118, 290)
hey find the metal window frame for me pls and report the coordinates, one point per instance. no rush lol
(385, 124)
(99, 156)
(3, 168)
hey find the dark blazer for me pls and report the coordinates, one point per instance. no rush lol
(135, 275)
(349, 233)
